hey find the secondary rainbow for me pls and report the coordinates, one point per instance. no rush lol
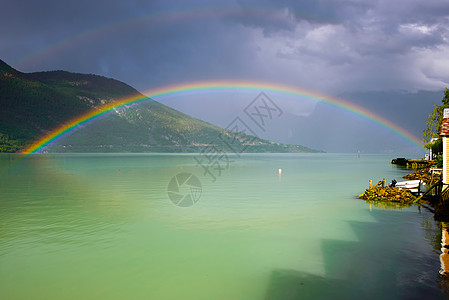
(154, 18)
(195, 87)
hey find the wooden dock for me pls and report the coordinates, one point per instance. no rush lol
(412, 163)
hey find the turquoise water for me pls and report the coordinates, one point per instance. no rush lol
(102, 226)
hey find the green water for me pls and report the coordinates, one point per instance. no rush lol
(102, 226)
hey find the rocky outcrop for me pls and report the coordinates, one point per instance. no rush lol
(424, 175)
(388, 194)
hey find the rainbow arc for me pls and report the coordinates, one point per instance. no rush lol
(210, 86)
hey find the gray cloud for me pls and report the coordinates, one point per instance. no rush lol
(236, 39)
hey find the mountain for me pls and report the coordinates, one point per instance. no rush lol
(34, 104)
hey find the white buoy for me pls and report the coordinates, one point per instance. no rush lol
(280, 172)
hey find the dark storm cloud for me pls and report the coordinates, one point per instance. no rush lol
(46, 17)
(306, 41)
(365, 28)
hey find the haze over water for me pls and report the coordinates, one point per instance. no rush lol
(101, 226)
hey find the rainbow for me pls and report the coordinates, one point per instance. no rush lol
(208, 86)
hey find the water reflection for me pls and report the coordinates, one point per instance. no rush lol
(386, 205)
(444, 256)
(437, 233)
(85, 221)
(443, 281)
(382, 262)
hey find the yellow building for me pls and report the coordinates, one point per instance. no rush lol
(444, 132)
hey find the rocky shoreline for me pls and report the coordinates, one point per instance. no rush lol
(388, 194)
(424, 175)
(402, 196)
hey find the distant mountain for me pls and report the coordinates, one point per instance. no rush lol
(34, 104)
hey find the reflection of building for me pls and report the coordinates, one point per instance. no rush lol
(444, 256)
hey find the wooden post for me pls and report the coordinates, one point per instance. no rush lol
(383, 182)
(370, 183)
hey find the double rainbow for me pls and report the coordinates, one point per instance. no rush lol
(196, 87)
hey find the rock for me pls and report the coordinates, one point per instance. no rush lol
(388, 194)
(424, 175)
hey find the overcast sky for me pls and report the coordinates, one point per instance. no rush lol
(338, 47)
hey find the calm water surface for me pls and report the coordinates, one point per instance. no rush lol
(101, 226)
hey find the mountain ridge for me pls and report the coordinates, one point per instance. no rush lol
(34, 104)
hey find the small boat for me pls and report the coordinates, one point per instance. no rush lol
(410, 184)
(414, 186)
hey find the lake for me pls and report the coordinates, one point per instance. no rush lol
(176, 226)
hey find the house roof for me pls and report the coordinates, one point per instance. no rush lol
(445, 127)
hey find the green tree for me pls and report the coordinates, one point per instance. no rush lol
(433, 125)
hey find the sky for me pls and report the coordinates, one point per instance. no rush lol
(388, 56)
